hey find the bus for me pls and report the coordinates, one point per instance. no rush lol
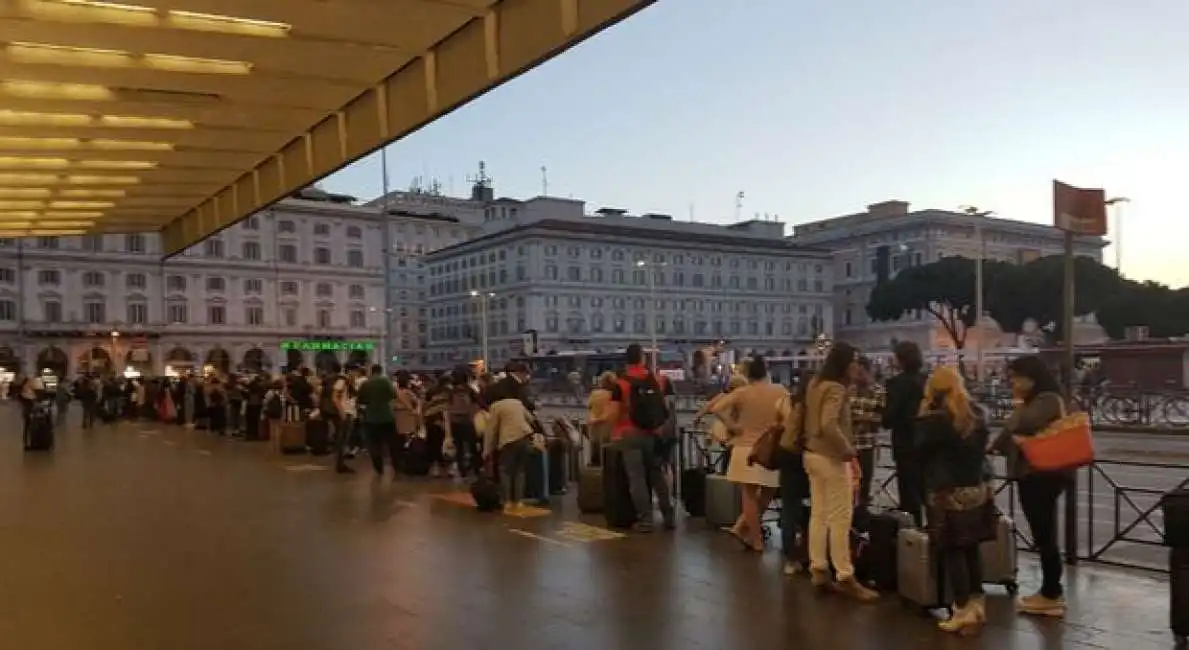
(561, 367)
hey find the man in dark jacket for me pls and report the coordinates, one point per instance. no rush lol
(904, 394)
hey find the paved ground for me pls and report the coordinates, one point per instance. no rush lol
(150, 538)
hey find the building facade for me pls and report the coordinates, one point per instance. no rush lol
(600, 282)
(892, 234)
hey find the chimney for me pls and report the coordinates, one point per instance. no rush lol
(894, 208)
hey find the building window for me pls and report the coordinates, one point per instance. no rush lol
(251, 250)
(48, 243)
(290, 317)
(574, 274)
(255, 316)
(551, 323)
(358, 318)
(134, 243)
(355, 259)
(213, 248)
(253, 285)
(355, 292)
(178, 312)
(550, 272)
(138, 313)
(286, 226)
(216, 284)
(287, 253)
(216, 315)
(323, 290)
(323, 318)
(354, 232)
(321, 255)
(95, 312)
(93, 279)
(251, 223)
(51, 277)
(135, 281)
(51, 311)
(289, 288)
(93, 243)
(8, 310)
(176, 283)
(9, 276)
(321, 230)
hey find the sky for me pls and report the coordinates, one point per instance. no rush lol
(817, 109)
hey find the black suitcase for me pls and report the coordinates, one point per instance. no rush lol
(590, 490)
(883, 531)
(558, 471)
(486, 494)
(536, 477)
(40, 435)
(1178, 587)
(415, 460)
(618, 510)
(318, 437)
(1175, 506)
(693, 491)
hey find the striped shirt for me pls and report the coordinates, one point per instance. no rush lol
(866, 407)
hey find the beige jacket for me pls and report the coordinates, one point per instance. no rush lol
(508, 421)
(824, 421)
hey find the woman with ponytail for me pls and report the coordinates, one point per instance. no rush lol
(951, 443)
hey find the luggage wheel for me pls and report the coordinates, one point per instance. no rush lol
(1182, 642)
(1012, 587)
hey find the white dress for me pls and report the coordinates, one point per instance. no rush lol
(740, 471)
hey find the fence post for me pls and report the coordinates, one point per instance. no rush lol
(1072, 549)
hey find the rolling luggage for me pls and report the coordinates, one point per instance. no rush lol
(999, 556)
(918, 570)
(883, 542)
(558, 469)
(318, 437)
(536, 477)
(40, 434)
(590, 490)
(1178, 587)
(288, 437)
(693, 491)
(618, 510)
(723, 501)
(1175, 508)
(486, 494)
(415, 459)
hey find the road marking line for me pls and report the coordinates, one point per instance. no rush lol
(204, 452)
(170, 443)
(308, 467)
(541, 538)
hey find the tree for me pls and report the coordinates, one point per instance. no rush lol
(1035, 292)
(1164, 311)
(944, 288)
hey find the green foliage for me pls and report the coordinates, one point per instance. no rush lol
(944, 288)
(1035, 291)
(1164, 311)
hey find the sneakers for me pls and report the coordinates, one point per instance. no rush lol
(851, 588)
(819, 579)
(1039, 605)
(966, 621)
(793, 568)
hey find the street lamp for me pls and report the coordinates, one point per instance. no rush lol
(978, 284)
(1117, 203)
(648, 270)
(483, 298)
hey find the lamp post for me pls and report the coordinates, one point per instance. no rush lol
(115, 338)
(1117, 203)
(980, 257)
(651, 274)
(483, 298)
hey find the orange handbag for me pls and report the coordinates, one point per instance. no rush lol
(1067, 443)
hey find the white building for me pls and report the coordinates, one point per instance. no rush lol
(889, 237)
(582, 282)
(309, 269)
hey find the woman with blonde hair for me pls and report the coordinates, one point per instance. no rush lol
(600, 415)
(951, 442)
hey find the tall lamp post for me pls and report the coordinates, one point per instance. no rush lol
(650, 272)
(483, 298)
(980, 258)
(1117, 203)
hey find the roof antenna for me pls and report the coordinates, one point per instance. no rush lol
(544, 181)
(738, 205)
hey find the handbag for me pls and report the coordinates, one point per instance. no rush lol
(767, 451)
(1067, 443)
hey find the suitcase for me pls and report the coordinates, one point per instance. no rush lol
(40, 436)
(999, 556)
(558, 470)
(590, 490)
(486, 494)
(415, 460)
(918, 570)
(723, 501)
(536, 477)
(618, 510)
(1175, 508)
(693, 491)
(883, 543)
(289, 437)
(318, 437)
(1178, 587)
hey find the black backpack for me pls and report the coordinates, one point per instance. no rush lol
(273, 408)
(647, 409)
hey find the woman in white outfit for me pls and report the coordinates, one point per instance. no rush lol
(748, 412)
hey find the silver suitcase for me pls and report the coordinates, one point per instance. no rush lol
(999, 556)
(723, 504)
(918, 569)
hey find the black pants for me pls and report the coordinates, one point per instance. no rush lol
(963, 567)
(234, 419)
(217, 416)
(1038, 499)
(867, 467)
(382, 438)
(794, 524)
(252, 414)
(435, 437)
(466, 447)
(910, 485)
(90, 407)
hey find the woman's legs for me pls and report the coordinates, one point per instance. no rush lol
(1038, 500)
(435, 437)
(963, 568)
(512, 459)
(832, 495)
(794, 487)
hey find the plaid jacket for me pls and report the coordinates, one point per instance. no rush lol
(866, 407)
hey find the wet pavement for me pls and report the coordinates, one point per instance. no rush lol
(147, 537)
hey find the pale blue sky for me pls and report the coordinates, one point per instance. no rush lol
(815, 109)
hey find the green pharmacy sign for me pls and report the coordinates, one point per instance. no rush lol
(329, 346)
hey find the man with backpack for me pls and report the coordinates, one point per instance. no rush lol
(641, 400)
